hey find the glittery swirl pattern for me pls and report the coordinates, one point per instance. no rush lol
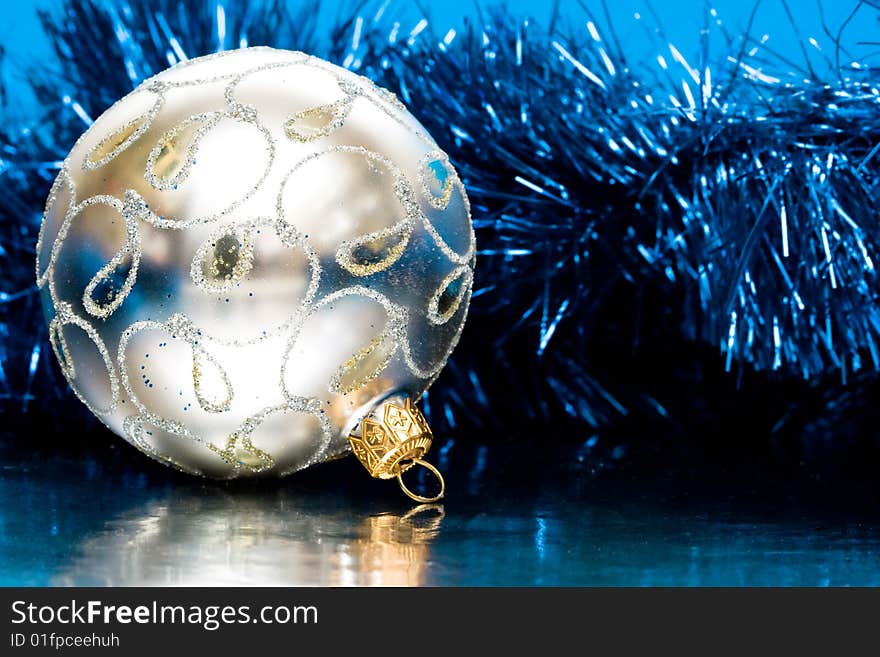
(225, 259)
(64, 318)
(121, 138)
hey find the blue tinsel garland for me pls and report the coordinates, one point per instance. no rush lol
(642, 229)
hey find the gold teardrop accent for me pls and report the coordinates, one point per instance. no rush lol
(445, 301)
(375, 252)
(202, 364)
(317, 122)
(121, 138)
(224, 259)
(171, 158)
(103, 293)
(240, 451)
(365, 365)
(114, 143)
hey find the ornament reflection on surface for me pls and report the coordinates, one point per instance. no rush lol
(254, 540)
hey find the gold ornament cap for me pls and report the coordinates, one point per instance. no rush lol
(393, 438)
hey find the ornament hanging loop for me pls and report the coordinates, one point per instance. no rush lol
(414, 496)
(393, 438)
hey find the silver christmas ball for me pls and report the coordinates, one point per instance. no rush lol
(246, 254)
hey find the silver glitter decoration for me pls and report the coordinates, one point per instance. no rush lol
(267, 245)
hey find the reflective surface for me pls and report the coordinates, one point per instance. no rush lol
(100, 518)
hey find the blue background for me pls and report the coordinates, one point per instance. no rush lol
(681, 21)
